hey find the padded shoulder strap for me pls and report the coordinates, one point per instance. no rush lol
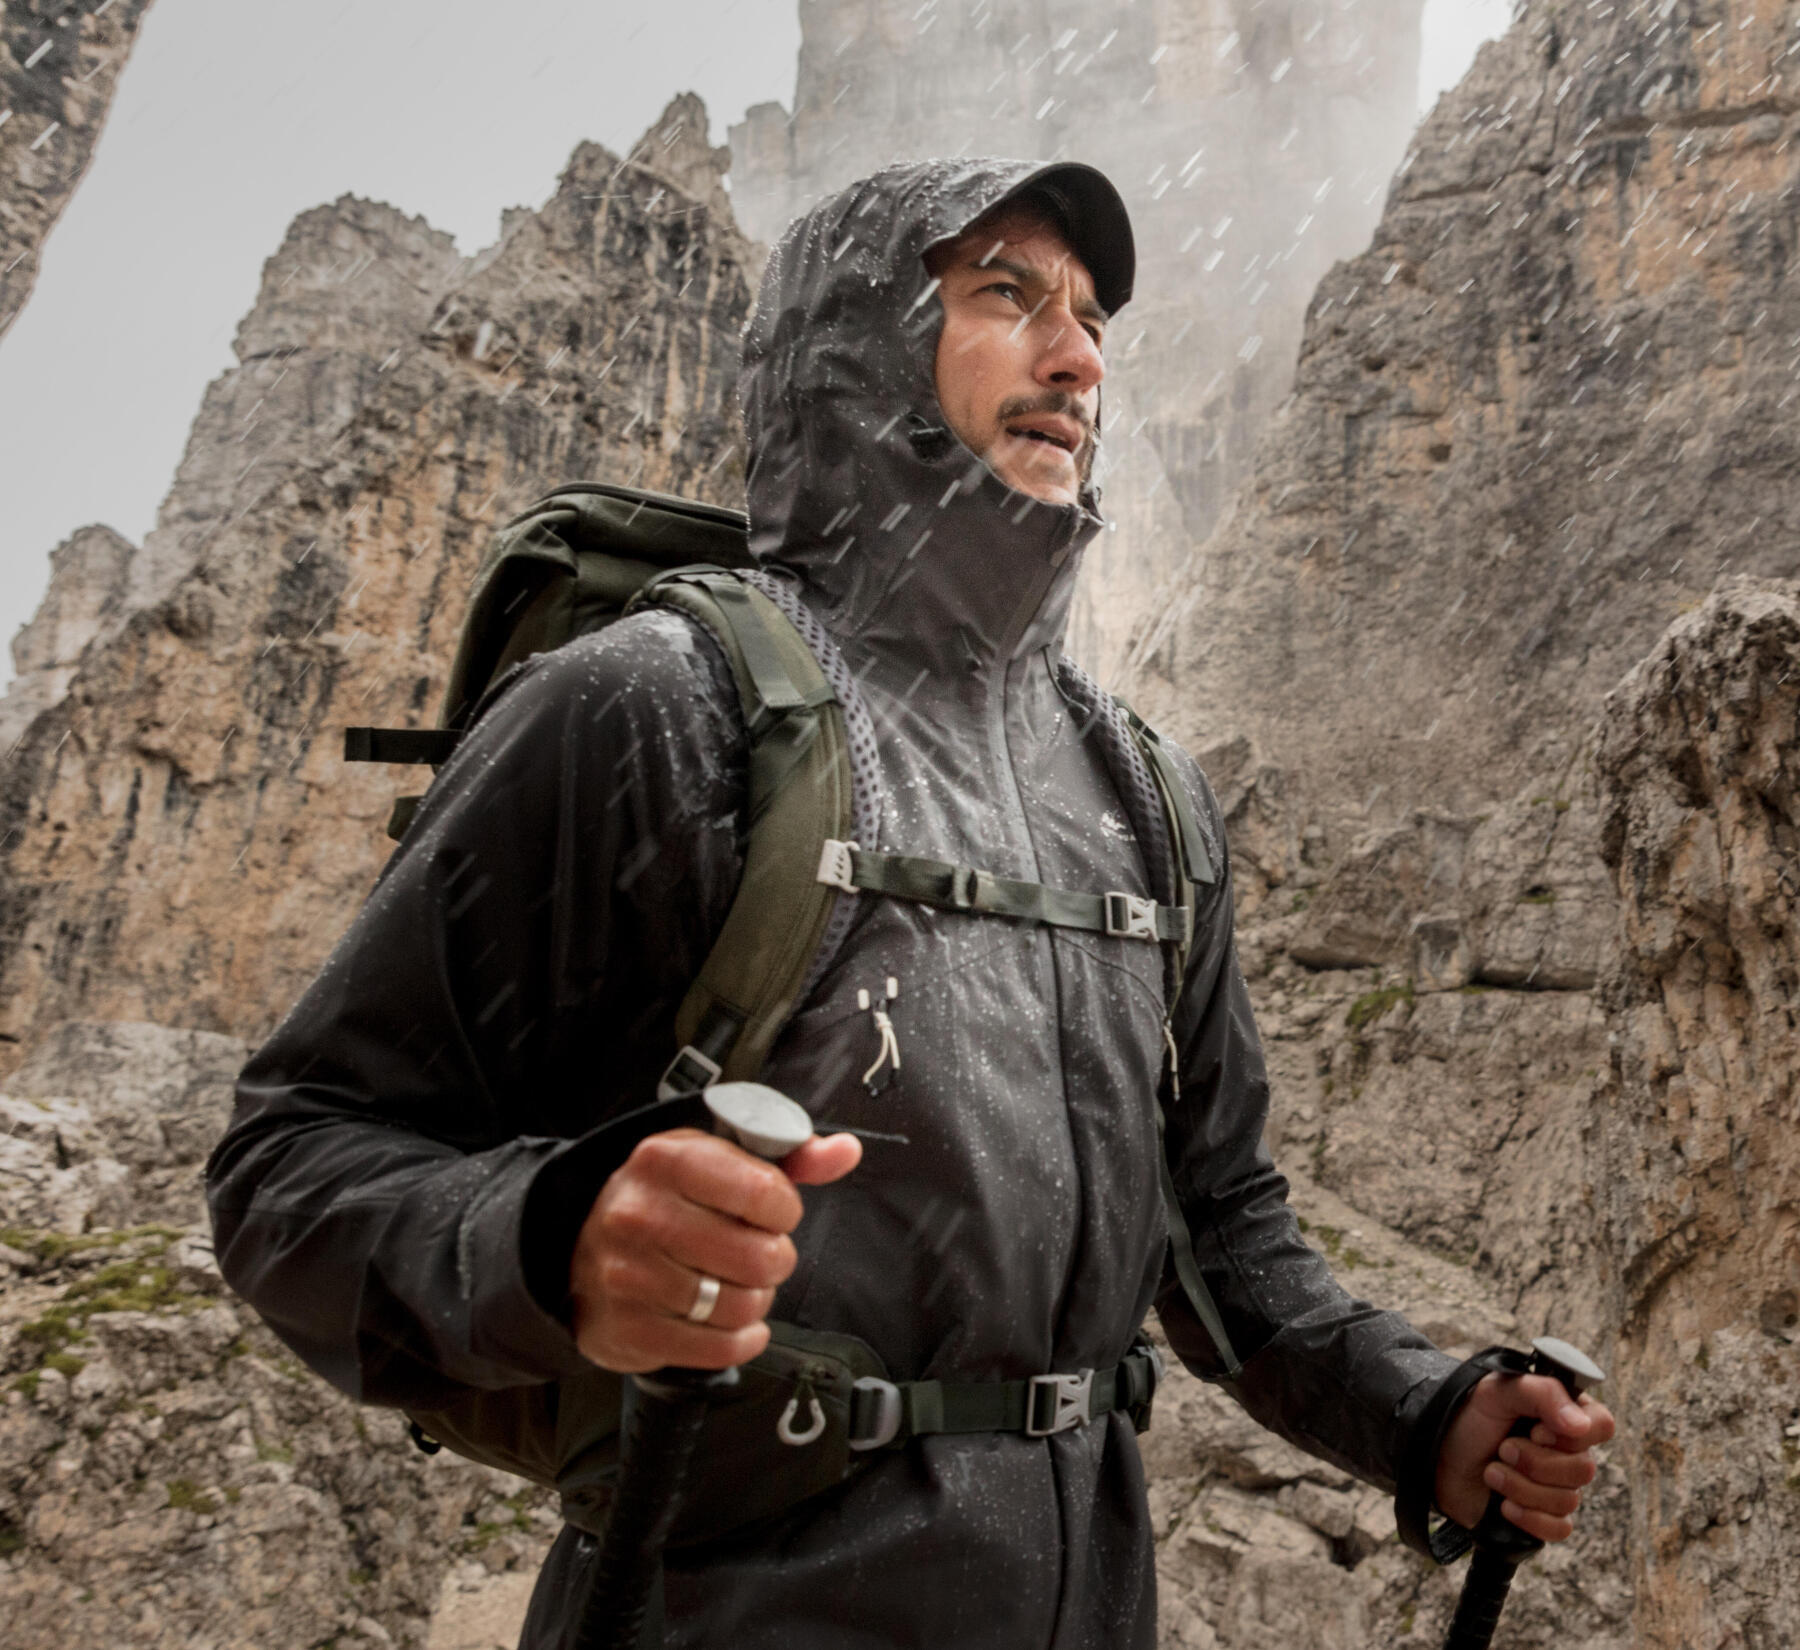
(799, 797)
(1184, 822)
(1193, 868)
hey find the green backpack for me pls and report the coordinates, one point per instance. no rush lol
(580, 558)
(575, 562)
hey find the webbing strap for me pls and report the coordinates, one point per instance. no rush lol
(1187, 1265)
(409, 745)
(1038, 1406)
(1442, 1541)
(963, 888)
(798, 783)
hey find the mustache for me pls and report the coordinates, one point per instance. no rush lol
(1058, 402)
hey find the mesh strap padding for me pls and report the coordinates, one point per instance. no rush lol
(1130, 773)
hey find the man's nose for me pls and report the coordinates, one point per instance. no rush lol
(1070, 359)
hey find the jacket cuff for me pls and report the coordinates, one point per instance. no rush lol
(1416, 1481)
(563, 1190)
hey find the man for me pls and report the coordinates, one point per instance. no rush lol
(410, 1191)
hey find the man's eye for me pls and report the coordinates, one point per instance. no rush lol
(1006, 289)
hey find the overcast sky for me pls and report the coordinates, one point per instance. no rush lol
(235, 115)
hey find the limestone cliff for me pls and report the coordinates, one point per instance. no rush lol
(1535, 421)
(1252, 139)
(59, 64)
(1545, 409)
(1540, 418)
(181, 839)
(1696, 1138)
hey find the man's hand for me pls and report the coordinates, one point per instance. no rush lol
(686, 1205)
(1541, 1477)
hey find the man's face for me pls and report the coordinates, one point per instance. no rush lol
(1018, 363)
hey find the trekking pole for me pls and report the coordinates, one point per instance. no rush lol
(1500, 1545)
(668, 1419)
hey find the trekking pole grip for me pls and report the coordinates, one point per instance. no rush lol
(1500, 1545)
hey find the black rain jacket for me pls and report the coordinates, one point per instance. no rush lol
(406, 1168)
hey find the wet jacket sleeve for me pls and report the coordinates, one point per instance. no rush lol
(412, 1152)
(1326, 1371)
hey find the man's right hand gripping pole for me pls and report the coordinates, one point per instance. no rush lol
(672, 1278)
(687, 1207)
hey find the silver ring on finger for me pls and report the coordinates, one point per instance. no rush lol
(705, 1300)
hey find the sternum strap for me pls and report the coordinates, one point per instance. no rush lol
(963, 888)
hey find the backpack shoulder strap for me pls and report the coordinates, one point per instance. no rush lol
(1192, 869)
(799, 797)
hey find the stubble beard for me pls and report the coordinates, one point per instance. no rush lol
(1062, 404)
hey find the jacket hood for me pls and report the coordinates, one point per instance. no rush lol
(901, 536)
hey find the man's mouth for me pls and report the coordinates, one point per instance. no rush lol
(1063, 434)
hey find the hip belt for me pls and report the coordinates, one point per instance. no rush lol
(890, 1412)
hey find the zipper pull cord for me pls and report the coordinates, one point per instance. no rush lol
(1174, 1063)
(890, 1043)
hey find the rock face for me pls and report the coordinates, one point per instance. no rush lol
(181, 840)
(59, 64)
(183, 844)
(1535, 420)
(1540, 418)
(88, 572)
(1252, 139)
(1697, 1125)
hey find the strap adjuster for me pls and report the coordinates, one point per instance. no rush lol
(883, 1400)
(688, 1073)
(1058, 1402)
(836, 866)
(1131, 917)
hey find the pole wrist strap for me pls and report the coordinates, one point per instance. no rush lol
(1443, 1541)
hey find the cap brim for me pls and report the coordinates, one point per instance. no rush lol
(1101, 226)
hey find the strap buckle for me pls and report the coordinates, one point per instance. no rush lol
(688, 1073)
(1131, 917)
(882, 1411)
(1058, 1402)
(836, 866)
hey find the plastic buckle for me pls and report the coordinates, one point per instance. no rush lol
(688, 1073)
(1066, 1399)
(885, 1397)
(836, 866)
(1130, 917)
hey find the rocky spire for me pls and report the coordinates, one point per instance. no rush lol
(88, 573)
(392, 405)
